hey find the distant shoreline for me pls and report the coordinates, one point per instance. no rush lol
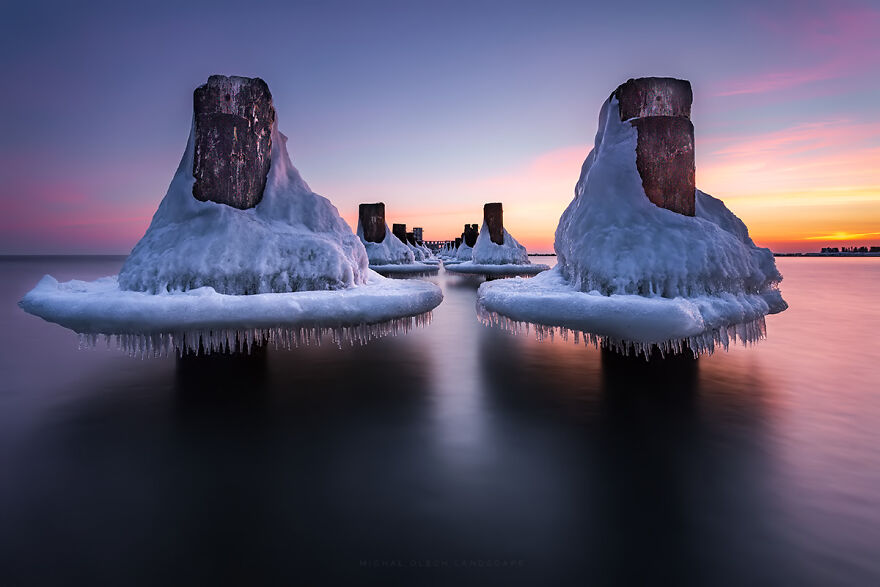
(826, 254)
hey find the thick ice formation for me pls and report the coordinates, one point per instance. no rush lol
(392, 257)
(421, 253)
(211, 276)
(494, 260)
(391, 251)
(488, 253)
(464, 252)
(632, 275)
(612, 239)
(158, 324)
(293, 240)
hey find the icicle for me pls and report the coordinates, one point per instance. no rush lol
(164, 344)
(702, 344)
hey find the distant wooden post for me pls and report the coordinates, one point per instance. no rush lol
(399, 230)
(659, 108)
(372, 218)
(493, 216)
(471, 231)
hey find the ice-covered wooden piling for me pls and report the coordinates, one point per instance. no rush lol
(372, 218)
(493, 216)
(457, 242)
(233, 140)
(399, 230)
(660, 108)
(471, 232)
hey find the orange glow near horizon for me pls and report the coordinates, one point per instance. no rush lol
(797, 189)
(801, 187)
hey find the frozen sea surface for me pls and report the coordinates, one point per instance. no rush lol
(457, 453)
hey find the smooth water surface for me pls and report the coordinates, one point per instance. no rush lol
(455, 454)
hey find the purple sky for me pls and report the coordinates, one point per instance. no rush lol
(437, 107)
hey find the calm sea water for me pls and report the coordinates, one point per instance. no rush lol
(457, 453)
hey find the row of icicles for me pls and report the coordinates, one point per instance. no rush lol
(225, 340)
(747, 333)
(228, 340)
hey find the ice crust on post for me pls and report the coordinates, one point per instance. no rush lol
(391, 251)
(635, 277)
(393, 256)
(208, 276)
(293, 240)
(493, 260)
(487, 252)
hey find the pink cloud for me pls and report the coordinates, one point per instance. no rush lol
(780, 80)
(810, 136)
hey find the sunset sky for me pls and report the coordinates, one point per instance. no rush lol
(437, 107)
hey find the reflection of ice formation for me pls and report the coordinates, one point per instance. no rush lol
(210, 275)
(493, 260)
(632, 275)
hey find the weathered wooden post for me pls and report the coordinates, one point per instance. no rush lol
(399, 230)
(457, 242)
(471, 231)
(660, 108)
(493, 216)
(372, 218)
(233, 140)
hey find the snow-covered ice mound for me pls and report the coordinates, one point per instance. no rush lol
(286, 270)
(494, 260)
(391, 251)
(460, 255)
(393, 257)
(293, 240)
(423, 254)
(632, 275)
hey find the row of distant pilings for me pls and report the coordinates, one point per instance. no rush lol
(372, 221)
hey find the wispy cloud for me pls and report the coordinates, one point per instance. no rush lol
(820, 158)
(843, 236)
(779, 80)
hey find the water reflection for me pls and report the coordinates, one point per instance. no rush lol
(456, 442)
(671, 464)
